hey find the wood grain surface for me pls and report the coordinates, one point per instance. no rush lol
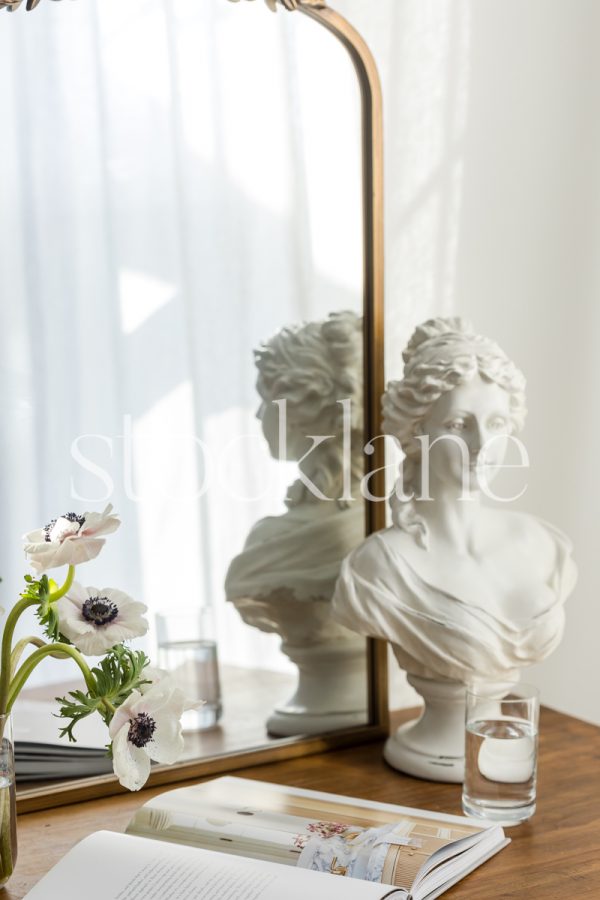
(556, 855)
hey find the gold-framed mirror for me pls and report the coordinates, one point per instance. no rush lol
(181, 365)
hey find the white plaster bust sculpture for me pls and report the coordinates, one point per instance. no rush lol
(464, 592)
(284, 578)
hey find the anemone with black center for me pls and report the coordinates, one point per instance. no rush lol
(141, 730)
(99, 611)
(70, 517)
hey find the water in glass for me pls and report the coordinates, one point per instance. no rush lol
(500, 769)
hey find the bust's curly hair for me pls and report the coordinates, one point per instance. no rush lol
(313, 366)
(441, 354)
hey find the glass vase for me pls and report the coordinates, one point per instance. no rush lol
(8, 804)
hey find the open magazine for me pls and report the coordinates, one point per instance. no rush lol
(249, 840)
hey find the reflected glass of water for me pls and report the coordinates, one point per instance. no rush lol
(501, 745)
(187, 649)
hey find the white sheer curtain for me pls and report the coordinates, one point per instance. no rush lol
(176, 185)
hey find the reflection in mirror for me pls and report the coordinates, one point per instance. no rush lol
(310, 383)
(163, 220)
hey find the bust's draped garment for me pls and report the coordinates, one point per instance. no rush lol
(284, 578)
(435, 634)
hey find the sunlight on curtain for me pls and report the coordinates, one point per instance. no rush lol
(171, 196)
(141, 297)
(427, 72)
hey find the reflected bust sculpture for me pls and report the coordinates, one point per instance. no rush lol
(310, 382)
(464, 592)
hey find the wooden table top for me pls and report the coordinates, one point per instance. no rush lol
(555, 855)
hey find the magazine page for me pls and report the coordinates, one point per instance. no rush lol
(385, 843)
(144, 870)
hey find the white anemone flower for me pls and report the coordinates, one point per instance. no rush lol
(147, 727)
(70, 539)
(153, 675)
(96, 619)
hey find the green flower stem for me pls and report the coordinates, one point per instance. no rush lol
(11, 683)
(7, 811)
(22, 645)
(36, 657)
(56, 595)
(9, 630)
(5, 652)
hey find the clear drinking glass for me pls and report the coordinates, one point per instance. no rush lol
(501, 752)
(188, 650)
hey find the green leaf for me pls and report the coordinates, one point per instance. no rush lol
(46, 611)
(119, 673)
(75, 709)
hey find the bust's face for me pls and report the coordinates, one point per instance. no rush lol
(274, 419)
(477, 413)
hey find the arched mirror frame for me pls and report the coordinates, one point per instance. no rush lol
(372, 203)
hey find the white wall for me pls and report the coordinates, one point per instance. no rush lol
(492, 193)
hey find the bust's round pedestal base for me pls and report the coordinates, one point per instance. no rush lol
(331, 691)
(422, 765)
(432, 746)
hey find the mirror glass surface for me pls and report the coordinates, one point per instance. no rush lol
(181, 188)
